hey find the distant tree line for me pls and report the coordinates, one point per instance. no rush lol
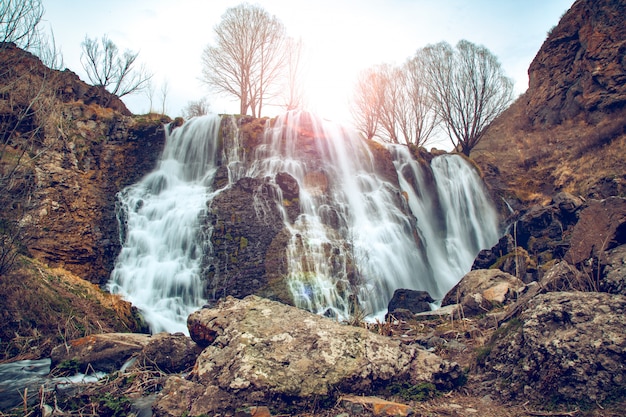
(461, 90)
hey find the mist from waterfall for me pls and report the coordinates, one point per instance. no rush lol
(360, 233)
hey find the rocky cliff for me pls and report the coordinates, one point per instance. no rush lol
(568, 131)
(66, 149)
(82, 146)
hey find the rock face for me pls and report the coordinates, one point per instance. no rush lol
(567, 132)
(410, 301)
(581, 66)
(253, 357)
(564, 347)
(88, 148)
(244, 260)
(602, 226)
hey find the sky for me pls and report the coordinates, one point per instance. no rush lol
(341, 38)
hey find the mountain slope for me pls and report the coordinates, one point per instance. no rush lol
(568, 131)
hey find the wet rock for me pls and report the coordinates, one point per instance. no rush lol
(288, 185)
(562, 344)
(480, 290)
(268, 353)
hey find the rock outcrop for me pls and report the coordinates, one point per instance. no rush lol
(481, 290)
(83, 147)
(564, 347)
(567, 132)
(262, 352)
(580, 67)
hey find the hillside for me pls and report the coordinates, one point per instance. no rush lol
(568, 131)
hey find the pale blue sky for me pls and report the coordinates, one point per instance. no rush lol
(342, 38)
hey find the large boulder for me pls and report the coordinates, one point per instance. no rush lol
(481, 290)
(564, 347)
(105, 352)
(602, 226)
(266, 353)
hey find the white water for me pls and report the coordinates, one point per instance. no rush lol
(358, 237)
(159, 266)
(455, 218)
(372, 252)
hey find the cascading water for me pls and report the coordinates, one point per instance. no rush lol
(353, 241)
(455, 219)
(361, 232)
(159, 267)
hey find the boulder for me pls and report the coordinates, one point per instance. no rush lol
(409, 301)
(480, 290)
(108, 352)
(105, 352)
(614, 280)
(358, 405)
(170, 353)
(509, 258)
(266, 353)
(564, 347)
(602, 226)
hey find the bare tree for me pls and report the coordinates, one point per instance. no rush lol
(106, 68)
(248, 59)
(19, 20)
(391, 103)
(294, 94)
(416, 116)
(366, 102)
(165, 90)
(196, 108)
(469, 89)
(24, 104)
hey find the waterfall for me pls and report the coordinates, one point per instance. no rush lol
(353, 241)
(371, 219)
(455, 218)
(159, 267)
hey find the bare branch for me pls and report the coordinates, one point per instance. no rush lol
(107, 69)
(249, 57)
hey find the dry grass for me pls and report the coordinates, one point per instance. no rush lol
(535, 162)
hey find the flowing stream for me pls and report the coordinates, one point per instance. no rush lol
(361, 232)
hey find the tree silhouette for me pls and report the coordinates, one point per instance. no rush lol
(248, 59)
(468, 88)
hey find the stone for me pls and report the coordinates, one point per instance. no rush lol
(614, 279)
(374, 406)
(100, 352)
(602, 226)
(482, 289)
(170, 353)
(562, 344)
(411, 300)
(288, 185)
(266, 353)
